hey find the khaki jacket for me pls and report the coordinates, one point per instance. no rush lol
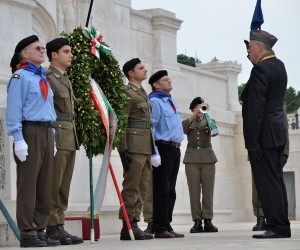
(65, 130)
(199, 148)
(137, 140)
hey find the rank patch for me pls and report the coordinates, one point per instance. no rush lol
(15, 76)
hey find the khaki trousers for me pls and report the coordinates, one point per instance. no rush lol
(135, 184)
(201, 177)
(62, 175)
(148, 202)
(34, 181)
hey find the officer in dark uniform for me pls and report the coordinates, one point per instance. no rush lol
(60, 57)
(199, 160)
(135, 149)
(265, 132)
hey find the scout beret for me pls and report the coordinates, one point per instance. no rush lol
(156, 76)
(20, 46)
(264, 37)
(56, 44)
(130, 65)
(196, 101)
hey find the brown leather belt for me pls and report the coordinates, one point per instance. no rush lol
(36, 123)
(170, 143)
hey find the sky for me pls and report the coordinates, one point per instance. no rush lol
(217, 28)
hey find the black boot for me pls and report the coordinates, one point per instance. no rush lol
(261, 224)
(74, 239)
(148, 236)
(137, 232)
(150, 228)
(54, 234)
(197, 228)
(209, 227)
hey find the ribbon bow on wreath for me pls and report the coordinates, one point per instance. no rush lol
(96, 38)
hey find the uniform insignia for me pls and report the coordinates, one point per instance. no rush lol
(15, 76)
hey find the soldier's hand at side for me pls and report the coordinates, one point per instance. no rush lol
(256, 152)
(155, 159)
(125, 159)
(21, 150)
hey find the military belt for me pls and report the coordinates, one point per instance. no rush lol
(64, 117)
(140, 124)
(199, 144)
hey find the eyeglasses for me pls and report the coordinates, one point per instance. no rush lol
(167, 79)
(38, 48)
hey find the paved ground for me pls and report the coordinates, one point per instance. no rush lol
(233, 236)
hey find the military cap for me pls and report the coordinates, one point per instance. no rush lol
(264, 37)
(196, 101)
(156, 76)
(55, 45)
(20, 46)
(130, 65)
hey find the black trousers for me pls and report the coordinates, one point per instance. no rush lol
(268, 177)
(164, 182)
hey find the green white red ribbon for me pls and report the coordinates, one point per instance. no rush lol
(97, 47)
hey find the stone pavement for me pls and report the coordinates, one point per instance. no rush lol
(233, 236)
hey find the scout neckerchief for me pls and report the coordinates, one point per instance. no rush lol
(161, 95)
(38, 71)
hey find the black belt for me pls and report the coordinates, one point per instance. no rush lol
(35, 123)
(64, 117)
(170, 143)
(139, 124)
(199, 144)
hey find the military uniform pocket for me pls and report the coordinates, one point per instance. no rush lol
(135, 140)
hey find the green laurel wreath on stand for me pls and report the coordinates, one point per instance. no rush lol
(106, 72)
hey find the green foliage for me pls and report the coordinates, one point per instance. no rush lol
(107, 73)
(191, 61)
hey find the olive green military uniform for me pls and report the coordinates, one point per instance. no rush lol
(66, 144)
(138, 140)
(199, 160)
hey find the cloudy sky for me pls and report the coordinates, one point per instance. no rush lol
(218, 28)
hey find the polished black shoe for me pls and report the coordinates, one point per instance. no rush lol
(32, 241)
(50, 242)
(137, 232)
(148, 236)
(164, 235)
(261, 224)
(177, 235)
(209, 227)
(150, 228)
(54, 234)
(197, 228)
(269, 234)
(74, 239)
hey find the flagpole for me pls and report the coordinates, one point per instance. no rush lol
(89, 14)
(91, 196)
(121, 202)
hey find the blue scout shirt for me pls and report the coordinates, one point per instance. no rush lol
(25, 102)
(167, 123)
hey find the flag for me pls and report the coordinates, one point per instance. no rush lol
(110, 121)
(257, 19)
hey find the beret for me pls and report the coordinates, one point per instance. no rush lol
(130, 65)
(25, 42)
(20, 46)
(56, 44)
(196, 101)
(264, 37)
(156, 76)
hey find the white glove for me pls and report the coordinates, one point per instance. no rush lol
(155, 159)
(21, 150)
(55, 150)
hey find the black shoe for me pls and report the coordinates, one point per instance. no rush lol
(150, 228)
(138, 233)
(74, 239)
(50, 242)
(209, 227)
(54, 234)
(197, 228)
(261, 224)
(177, 235)
(164, 235)
(32, 241)
(269, 234)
